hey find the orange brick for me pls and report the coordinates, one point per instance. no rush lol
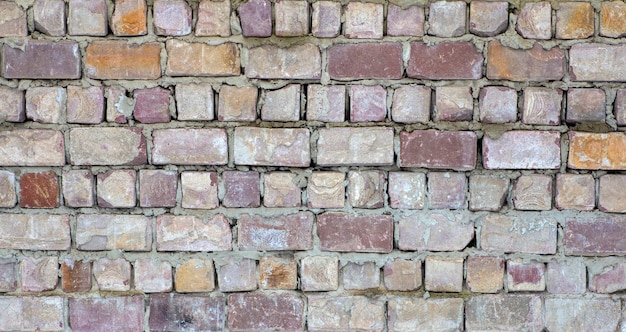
(198, 59)
(535, 64)
(574, 20)
(278, 273)
(120, 60)
(129, 18)
(597, 151)
(195, 275)
(613, 19)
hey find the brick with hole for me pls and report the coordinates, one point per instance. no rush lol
(341, 313)
(39, 190)
(326, 19)
(87, 18)
(112, 274)
(241, 189)
(213, 19)
(39, 274)
(96, 232)
(192, 233)
(118, 313)
(237, 275)
(129, 18)
(288, 232)
(278, 273)
(195, 275)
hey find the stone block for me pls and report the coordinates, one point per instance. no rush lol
(288, 232)
(39, 274)
(405, 21)
(112, 274)
(237, 103)
(487, 192)
(191, 233)
(435, 232)
(213, 18)
(411, 104)
(195, 275)
(152, 276)
(85, 105)
(171, 17)
(152, 105)
(447, 18)
(363, 20)
(368, 103)
(241, 189)
(497, 104)
(542, 106)
(358, 276)
(575, 192)
(485, 274)
(524, 276)
(194, 101)
(533, 192)
(237, 276)
(129, 18)
(278, 273)
(281, 189)
(453, 103)
(87, 18)
(407, 190)
(366, 189)
(45, 104)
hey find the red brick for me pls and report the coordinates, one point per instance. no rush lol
(407, 190)
(485, 274)
(87, 18)
(403, 275)
(39, 274)
(326, 190)
(435, 232)
(112, 59)
(39, 190)
(290, 232)
(574, 20)
(326, 103)
(319, 273)
(613, 19)
(157, 188)
(405, 22)
(199, 190)
(504, 312)
(38, 59)
(49, 17)
(535, 64)
(585, 105)
(199, 59)
(611, 196)
(237, 103)
(152, 276)
(533, 192)
(535, 20)
(189, 146)
(34, 231)
(75, 275)
(241, 189)
(531, 234)
(281, 312)
(595, 236)
(213, 18)
(366, 189)
(27, 313)
(416, 314)
(447, 18)
(411, 104)
(106, 314)
(85, 105)
(572, 314)
(187, 312)
(497, 104)
(13, 20)
(597, 62)
(368, 103)
(237, 275)
(575, 191)
(256, 18)
(542, 106)
(349, 233)
(112, 274)
(487, 192)
(443, 274)
(365, 61)
(566, 276)
(438, 149)
(95, 232)
(525, 276)
(45, 104)
(363, 20)
(281, 189)
(116, 189)
(107, 146)
(292, 18)
(191, 233)
(13, 109)
(453, 103)
(596, 151)
(326, 19)
(357, 276)
(365, 146)
(445, 61)
(8, 275)
(129, 18)
(488, 18)
(282, 104)
(345, 313)
(171, 17)
(296, 62)
(278, 273)
(523, 150)
(608, 279)
(152, 105)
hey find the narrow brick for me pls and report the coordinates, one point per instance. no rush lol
(195, 275)
(574, 20)
(411, 104)
(26, 313)
(8, 275)
(272, 147)
(39, 59)
(487, 192)
(535, 64)
(348, 233)
(75, 275)
(85, 105)
(405, 21)
(111, 232)
(597, 62)
(278, 273)
(365, 61)
(525, 276)
(368, 103)
(572, 314)
(295, 62)
(114, 313)
(447, 18)
(13, 109)
(152, 275)
(198, 59)
(497, 104)
(8, 196)
(361, 276)
(199, 190)
(171, 17)
(504, 312)
(112, 59)
(326, 103)
(32, 147)
(112, 274)
(326, 190)
(213, 18)
(39, 274)
(194, 101)
(256, 18)
(13, 22)
(34, 231)
(49, 17)
(488, 18)
(191, 233)
(282, 104)
(87, 18)
(542, 106)
(342, 313)
(613, 19)
(292, 18)
(443, 274)
(119, 106)
(237, 103)
(363, 146)
(453, 103)
(596, 151)
(566, 276)
(107, 146)
(407, 190)
(523, 150)
(290, 232)
(363, 20)
(157, 188)
(435, 232)
(187, 312)
(281, 189)
(415, 314)
(319, 273)
(485, 274)
(281, 312)
(438, 149)
(366, 189)
(152, 105)
(535, 20)
(619, 106)
(585, 105)
(129, 18)
(237, 275)
(575, 191)
(326, 19)
(445, 61)
(403, 275)
(533, 192)
(39, 190)
(531, 234)
(116, 188)
(189, 146)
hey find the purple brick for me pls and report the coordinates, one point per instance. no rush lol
(152, 276)
(237, 276)
(199, 190)
(542, 106)
(595, 236)
(191, 233)
(608, 278)
(504, 312)
(447, 190)
(349, 233)
(453, 103)
(435, 232)
(49, 17)
(157, 188)
(533, 192)
(87, 18)
(438, 149)
(488, 18)
(171, 17)
(585, 105)
(256, 18)
(27, 313)
(13, 22)
(445, 61)
(45, 104)
(85, 105)
(213, 18)
(290, 232)
(13, 108)
(189, 146)
(447, 18)
(411, 104)
(292, 18)
(363, 20)
(39, 274)
(326, 103)
(523, 150)
(114, 313)
(525, 276)
(326, 19)
(443, 274)
(116, 189)
(365, 61)
(8, 275)
(566, 276)
(152, 105)
(407, 190)
(497, 104)
(368, 103)
(281, 312)
(180, 313)
(405, 22)
(361, 276)
(526, 233)
(241, 189)
(78, 188)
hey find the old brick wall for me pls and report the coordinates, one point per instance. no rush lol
(178, 165)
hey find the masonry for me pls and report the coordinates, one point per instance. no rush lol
(176, 165)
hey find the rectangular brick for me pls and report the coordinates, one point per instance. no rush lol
(106, 314)
(484, 274)
(213, 19)
(438, 149)
(365, 146)
(38, 59)
(504, 312)
(199, 59)
(349, 233)
(415, 314)
(607, 278)
(181, 313)
(39, 190)
(435, 232)
(535, 64)
(360, 276)
(319, 273)
(241, 189)
(443, 274)
(191, 233)
(272, 147)
(278, 273)
(528, 233)
(75, 275)
(32, 147)
(296, 62)
(31, 313)
(281, 312)
(237, 275)
(567, 276)
(114, 59)
(194, 276)
(445, 61)
(256, 18)
(363, 20)
(39, 274)
(597, 62)
(171, 17)
(189, 147)
(107, 146)
(113, 232)
(525, 276)
(523, 150)
(34, 231)
(597, 151)
(345, 313)
(290, 232)
(575, 314)
(595, 236)
(365, 61)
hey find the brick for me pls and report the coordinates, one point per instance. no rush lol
(504, 312)
(574, 20)
(199, 190)
(119, 106)
(282, 104)
(14, 108)
(39, 190)
(365, 61)
(272, 146)
(191, 233)
(497, 104)
(368, 103)
(542, 106)
(237, 103)
(38, 59)
(8, 275)
(326, 190)
(34, 231)
(445, 61)
(411, 104)
(281, 312)
(152, 105)
(319, 273)
(194, 102)
(289, 232)
(364, 146)
(85, 105)
(8, 196)
(189, 146)
(485, 274)
(237, 276)
(596, 151)
(443, 274)
(523, 150)
(562, 314)
(129, 18)
(326, 19)
(171, 17)
(32, 313)
(366, 189)
(112, 274)
(256, 18)
(39, 274)
(405, 22)
(281, 189)
(349, 233)
(435, 232)
(213, 18)
(363, 20)
(45, 104)
(296, 62)
(78, 188)
(487, 192)
(116, 189)
(596, 62)
(535, 20)
(13, 20)
(87, 18)
(195, 275)
(594, 236)
(612, 19)
(278, 273)
(152, 276)
(403, 275)
(608, 279)
(535, 64)
(453, 103)
(566, 276)
(415, 314)
(49, 17)
(447, 19)
(114, 313)
(619, 106)
(438, 149)
(525, 276)
(241, 189)
(292, 18)
(111, 232)
(575, 192)
(157, 188)
(528, 233)
(363, 276)
(447, 190)
(407, 190)
(610, 194)
(326, 103)
(533, 192)
(343, 313)
(198, 59)
(488, 18)
(112, 59)
(187, 312)
(75, 275)
(585, 105)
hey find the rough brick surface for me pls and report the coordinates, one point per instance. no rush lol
(190, 233)
(533, 192)
(295, 62)
(119, 60)
(34, 232)
(596, 62)
(411, 104)
(237, 276)
(363, 20)
(291, 232)
(241, 189)
(282, 312)
(360, 276)
(152, 105)
(197, 59)
(368, 103)
(272, 147)
(453, 103)
(535, 64)
(562, 314)
(49, 17)
(32, 313)
(32, 147)
(585, 105)
(345, 313)
(445, 61)
(566, 276)
(498, 104)
(281, 190)
(187, 312)
(213, 18)
(278, 273)
(112, 274)
(414, 314)
(443, 274)
(596, 151)
(116, 189)
(403, 275)
(405, 21)
(39, 190)
(532, 234)
(523, 150)
(435, 232)
(504, 313)
(120, 313)
(13, 20)
(612, 22)
(171, 17)
(85, 105)
(75, 276)
(108, 232)
(455, 150)
(39, 274)
(525, 276)
(447, 18)
(365, 61)
(488, 18)
(129, 18)
(594, 236)
(256, 18)
(355, 146)
(487, 192)
(344, 232)
(574, 20)
(407, 190)
(542, 106)
(484, 274)
(326, 103)
(535, 20)
(319, 273)
(87, 18)
(199, 190)
(107, 146)
(326, 19)
(195, 275)
(326, 190)
(42, 60)
(189, 146)
(45, 104)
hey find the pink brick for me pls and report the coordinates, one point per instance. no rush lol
(584, 64)
(365, 146)
(447, 18)
(13, 109)
(78, 188)
(107, 146)
(368, 103)
(96, 232)
(485, 274)
(453, 103)
(363, 20)
(32, 313)
(403, 275)
(535, 64)
(343, 313)
(191, 233)
(533, 192)
(157, 188)
(281, 312)
(85, 105)
(411, 104)
(8, 196)
(319, 273)
(129, 18)
(13, 20)
(497, 104)
(152, 276)
(363, 276)
(445, 61)
(282, 104)
(119, 106)
(112, 274)
(199, 190)
(32, 147)
(116, 189)
(272, 147)
(326, 190)
(435, 232)
(326, 19)
(523, 150)
(407, 190)
(292, 18)
(349, 233)
(405, 22)
(38, 59)
(237, 276)
(213, 18)
(289, 232)
(237, 103)
(365, 61)
(443, 274)
(608, 279)
(447, 190)
(542, 106)
(194, 102)
(488, 18)
(535, 20)
(45, 104)
(34, 231)
(525, 276)
(366, 189)
(113, 313)
(585, 105)
(39, 274)
(487, 192)
(610, 194)
(571, 314)
(575, 191)
(281, 189)
(417, 314)
(438, 149)
(504, 312)
(241, 189)
(87, 18)
(296, 62)
(152, 105)
(595, 236)
(326, 103)
(566, 276)
(198, 146)
(531, 234)
(256, 18)
(49, 17)
(181, 312)
(172, 17)
(8, 275)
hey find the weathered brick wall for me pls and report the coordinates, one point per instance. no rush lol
(322, 166)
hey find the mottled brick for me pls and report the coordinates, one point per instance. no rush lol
(343, 313)
(438, 149)
(542, 106)
(326, 190)
(607, 279)
(497, 104)
(85, 105)
(8, 196)
(611, 195)
(403, 275)
(87, 18)
(453, 103)
(447, 18)
(49, 17)
(349, 233)
(585, 105)
(527, 233)
(595, 236)
(237, 275)
(32, 147)
(415, 314)
(8, 275)
(575, 191)
(199, 190)
(34, 231)
(523, 150)
(326, 19)
(488, 18)
(191, 233)
(157, 188)
(485, 274)
(365, 146)
(39, 59)
(112, 274)
(278, 273)
(152, 276)
(114, 313)
(360, 276)
(368, 103)
(113, 59)
(282, 104)
(199, 59)
(319, 273)
(39, 190)
(445, 61)
(504, 312)
(443, 274)
(78, 188)
(524, 276)
(572, 314)
(597, 62)
(116, 189)
(194, 101)
(613, 19)
(195, 275)
(487, 192)
(535, 20)
(447, 190)
(39, 274)
(119, 106)
(241, 189)
(13, 22)
(574, 20)
(405, 22)
(189, 146)
(152, 105)
(411, 104)
(14, 107)
(435, 232)
(237, 103)
(363, 20)
(281, 189)
(366, 189)
(171, 17)
(533, 192)
(281, 312)
(296, 62)
(535, 64)
(213, 18)
(111, 232)
(27, 313)
(187, 312)
(566, 276)
(129, 18)
(256, 18)
(289, 232)
(365, 61)
(325, 103)
(407, 190)
(45, 104)
(75, 275)
(292, 18)
(596, 151)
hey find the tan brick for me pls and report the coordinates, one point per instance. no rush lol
(116, 189)
(345, 313)
(237, 103)
(281, 190)
(363, 20)
(613, 19)
(114, 59)
(403, 275)
(574, 20)
(152, 275)
(366, 189)
(611, 194)
(34, 231)
(107, 146)
(485, 274)
(13, 21)
(31, 313)
(272, 147)
(535, 64)
(530, 233)
(296, 62)
(443, 274)
(45, 104)
(199, 190)
(32, 147)
(112, 274)
(319, 273)
(8, 197)
(326, 190)
(112, 232)
(198, 59)
(363, 146)
(195, 275)
(416, 314)
(129, 18)
(575, 191)
(597, 151)
(278, 273)
(535, 20)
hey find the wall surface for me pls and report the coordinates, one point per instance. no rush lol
(322, 166)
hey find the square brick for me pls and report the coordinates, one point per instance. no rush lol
(535, 20)
(326, 19)
(87, 18)
(152, 276)
(488, 18)
(129, 18)
(241, 189)
(444, 274)
(319, 273)
(281, 189)
(497, 104)
(195, 275)
(116, 189)
(282, 104)
(171, 17)
(361, 276)
(13, 107)
(585, 105)
(85, 105)
(199, 190)
(607, 277)
(487, 192)
(112, 274)
(326, 190)
(39, 274)
(619, 107)
(447, 18)
(213, 18)
(407, 190)
(411, 104)
(612, 23)
(363, 20)
(533, 192)
(194, 102)
(13, 22)
(157, 188)
(49, 17)
(237, 103)
(612, 196)
(574, 20)
(447, 190)
(542, 106)
(8, 275)
(78, 188)
(278, 273)
(75, 276)
(403, 275)
(366, 189)
(256, 18)
(368, 103)
(567, 276)
(39, 190)
(45, 104)
(292, 18)
(575, 192)
(152, 105)
(525, 276)
(237, 276)
(453, 103)
(405, 22)
(326, 103)
(8, 196)
(485, 274)
(119, 106)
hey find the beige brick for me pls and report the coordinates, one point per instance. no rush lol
(195, 275)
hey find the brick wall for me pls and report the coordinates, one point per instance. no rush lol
(324, 166)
